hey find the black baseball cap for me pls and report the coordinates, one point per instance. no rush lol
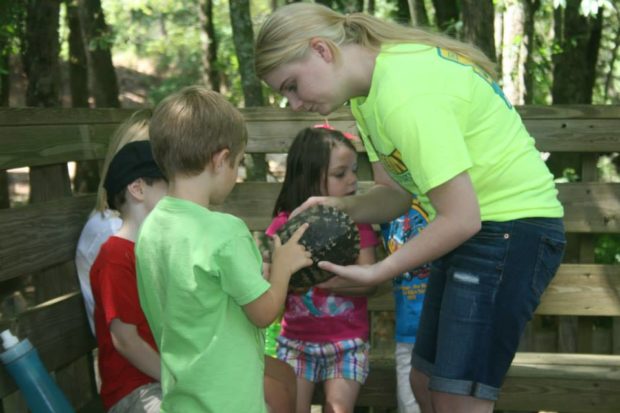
(132, 161)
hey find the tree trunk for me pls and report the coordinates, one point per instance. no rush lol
(40, 53)
(371, 7)
(86, 172)
(513, 52)
(4, 101)
(243, 37)
(5, 72)
(478, 23)
(211, 74)
(579, 40)
(609, 77)
(401, 13)
(78, 63)
(530, 7)
(419, 15)
(40, 57)
(446, 15)
(96, 34)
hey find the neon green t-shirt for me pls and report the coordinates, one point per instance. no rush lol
(431, 114)
(196, 269)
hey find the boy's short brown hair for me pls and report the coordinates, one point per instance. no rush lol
(189, 126)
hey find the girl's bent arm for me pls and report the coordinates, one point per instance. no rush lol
(383, 202)
(457, 219)
(139, 353)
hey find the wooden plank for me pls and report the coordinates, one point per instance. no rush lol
(575, 135)
(559, 394)
(562, 382)
(535, 381)
(569, 111)
(569, 366)
(48, 232)
(61, 116)
(62, 135)
(34, 116)
(38, 236)
(52, 144)
(577, 289)
(584, 289)
(58, 329)
(589, 207)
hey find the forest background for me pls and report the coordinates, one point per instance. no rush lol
(132, 53)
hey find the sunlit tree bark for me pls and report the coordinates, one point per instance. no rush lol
(578, 38)
(96, 36)
(209, 40)
(478, 20)
(419, 15)
(243, 36)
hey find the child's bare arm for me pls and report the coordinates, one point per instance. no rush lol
(138, 352)
(286, 259)
(366, 257)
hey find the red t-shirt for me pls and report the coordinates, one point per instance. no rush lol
(319, 315)
(115, 291)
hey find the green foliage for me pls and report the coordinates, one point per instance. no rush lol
(607, 250)
(12, 16)
(568, 175)
(165, 33)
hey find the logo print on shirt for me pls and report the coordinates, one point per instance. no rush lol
(462, 60)
(393, 162)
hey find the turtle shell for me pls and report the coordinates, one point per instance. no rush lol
(332, 236)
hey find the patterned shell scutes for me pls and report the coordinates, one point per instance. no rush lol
(332, 236)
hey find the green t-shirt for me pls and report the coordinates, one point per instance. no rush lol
(196, 269)
(431, 114)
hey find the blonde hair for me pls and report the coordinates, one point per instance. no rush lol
(136, 128)
(285, 36)
(189, 126)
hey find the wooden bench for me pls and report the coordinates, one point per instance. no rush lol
(559, 368)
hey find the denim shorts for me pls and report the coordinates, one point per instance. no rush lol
(479, 298)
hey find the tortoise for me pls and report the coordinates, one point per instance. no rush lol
(332, 236)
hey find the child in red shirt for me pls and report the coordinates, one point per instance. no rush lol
(129, 362)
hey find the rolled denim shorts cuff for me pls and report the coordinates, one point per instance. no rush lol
(465, 388)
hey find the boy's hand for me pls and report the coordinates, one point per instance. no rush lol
(291, 256)
(286, 259)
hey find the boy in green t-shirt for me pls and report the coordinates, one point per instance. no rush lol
(199, 271)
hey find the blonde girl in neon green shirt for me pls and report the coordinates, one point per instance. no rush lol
(436, 125)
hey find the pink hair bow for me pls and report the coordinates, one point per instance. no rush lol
(326, 125)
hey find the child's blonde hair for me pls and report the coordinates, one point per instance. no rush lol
(285, 36)
(136, 128)
(189, 126)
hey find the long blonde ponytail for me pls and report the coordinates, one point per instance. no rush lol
(285, 34)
